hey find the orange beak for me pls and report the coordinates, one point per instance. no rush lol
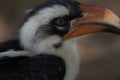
(95, 19)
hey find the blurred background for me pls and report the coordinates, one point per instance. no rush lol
(13, 11)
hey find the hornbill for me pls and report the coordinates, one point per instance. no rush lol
(54, 29)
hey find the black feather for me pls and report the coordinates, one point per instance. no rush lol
(11, 44)
(42, 67)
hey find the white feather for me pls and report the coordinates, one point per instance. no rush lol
(12, 53)
(40, 18)
(67, 51)
(71, 57)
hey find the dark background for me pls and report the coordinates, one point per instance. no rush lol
(13, 11)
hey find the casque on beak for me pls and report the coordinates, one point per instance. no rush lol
(95, 19)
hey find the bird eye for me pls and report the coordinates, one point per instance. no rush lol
(60, 22)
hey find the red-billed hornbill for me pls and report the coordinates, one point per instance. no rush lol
(54, 28)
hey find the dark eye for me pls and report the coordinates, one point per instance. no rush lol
(60, 22)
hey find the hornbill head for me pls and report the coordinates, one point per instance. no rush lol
(54, 27)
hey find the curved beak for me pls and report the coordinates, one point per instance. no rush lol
(95, 19)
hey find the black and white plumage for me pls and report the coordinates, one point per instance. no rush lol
(45, 22)
(43, 32)
(45, 28)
